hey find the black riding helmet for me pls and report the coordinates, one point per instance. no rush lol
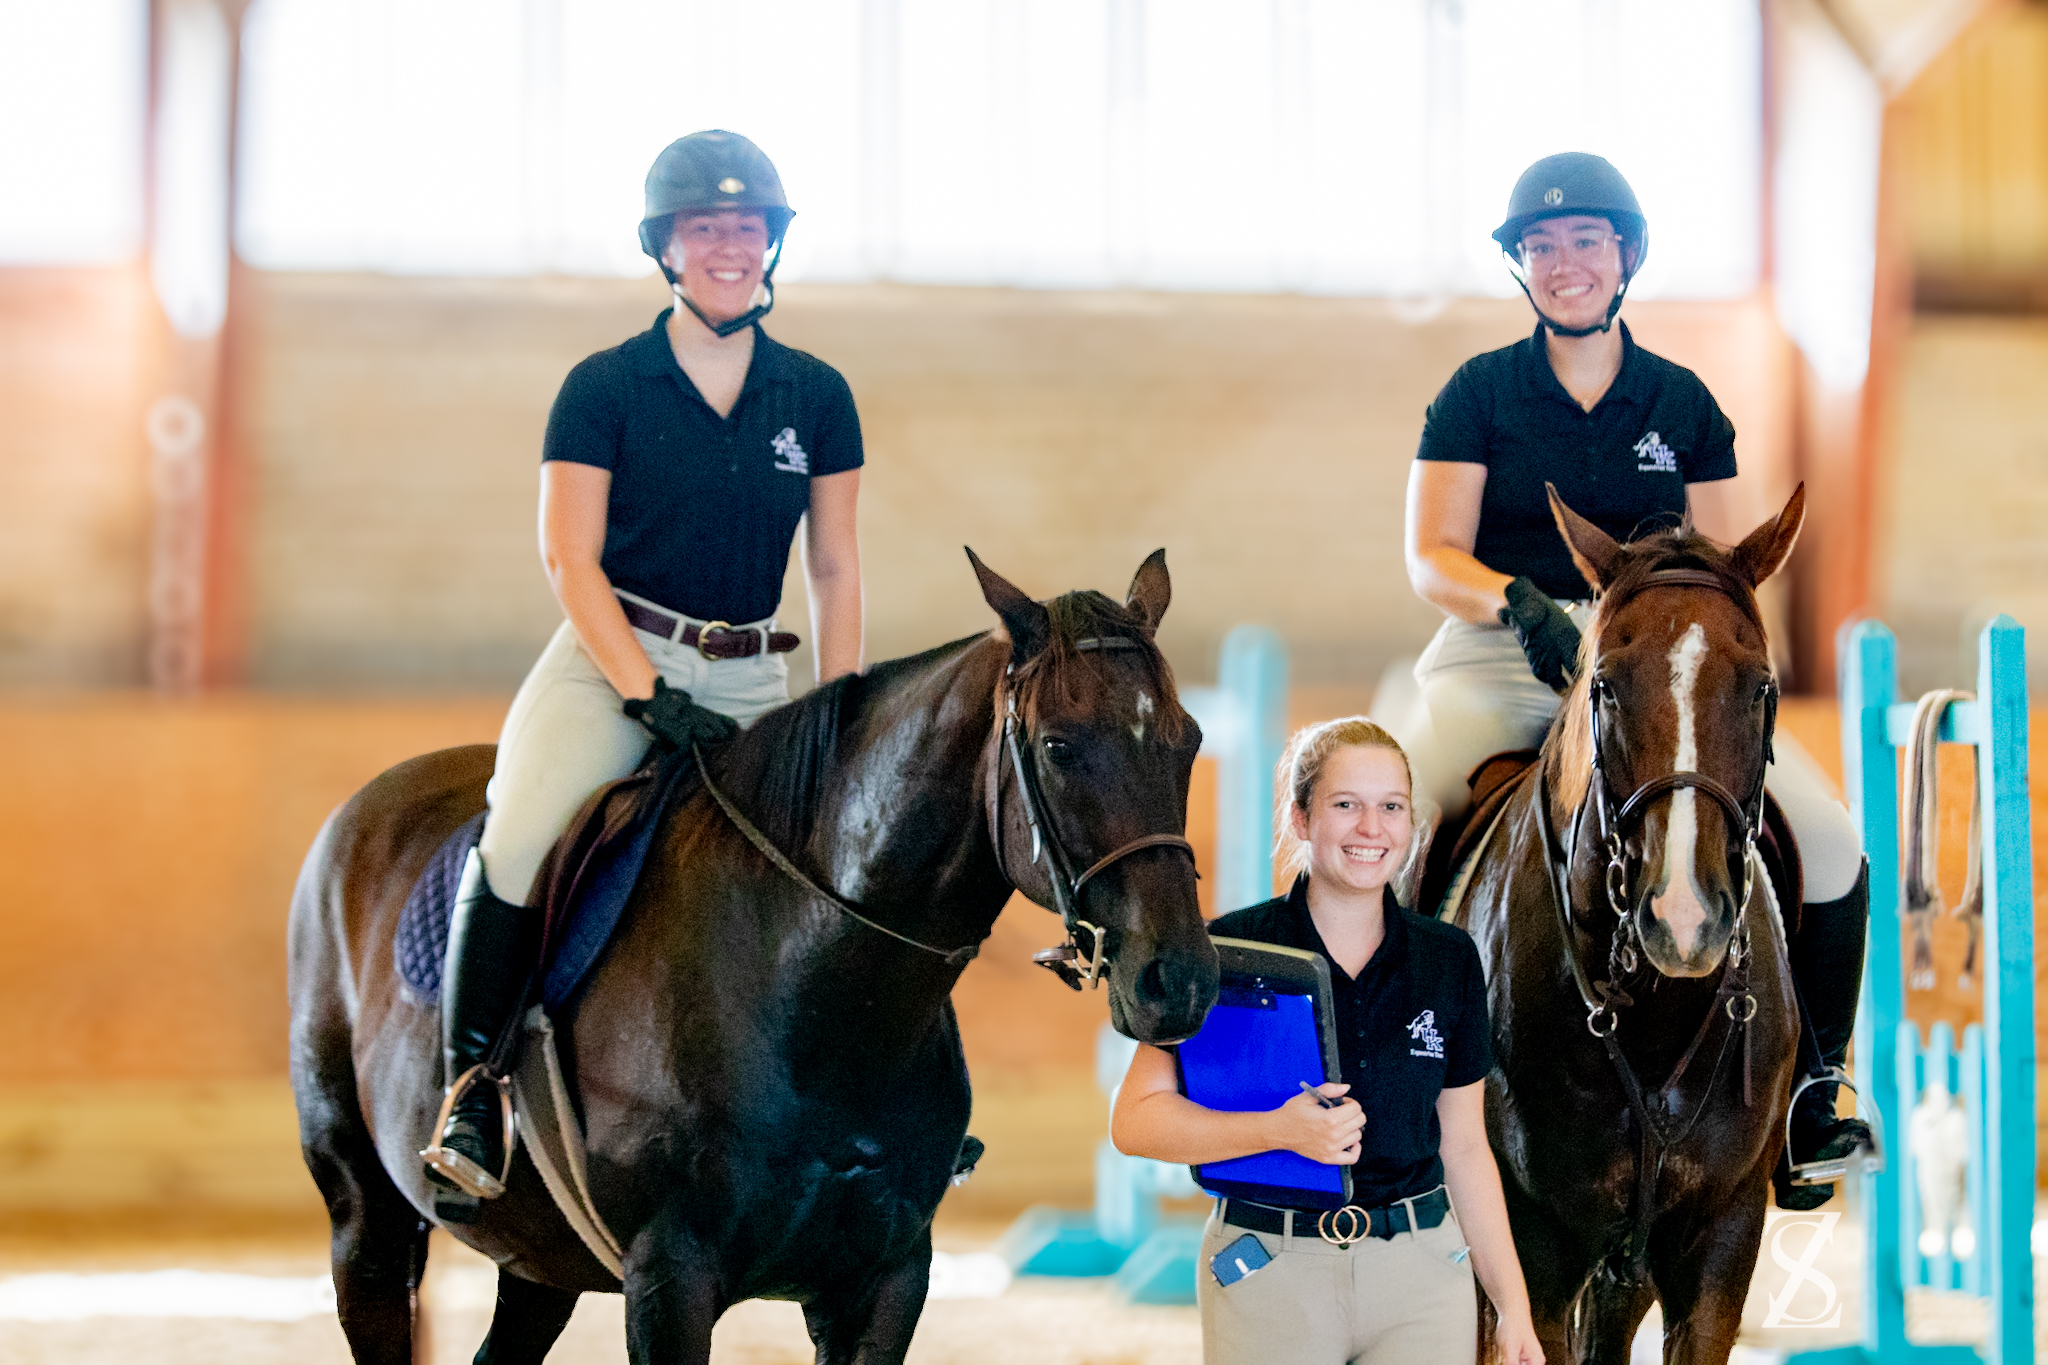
(1575, 183)
(713, 171)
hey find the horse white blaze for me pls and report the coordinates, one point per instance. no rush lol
(1680, 903)
(1144, 712)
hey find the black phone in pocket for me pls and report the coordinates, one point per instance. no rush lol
(1239, 1259)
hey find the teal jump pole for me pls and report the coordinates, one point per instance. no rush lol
(1252, 674)
(1875, 724)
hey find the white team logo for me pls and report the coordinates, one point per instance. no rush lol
(1422, 1028)
(790, 457)
(1654, 457)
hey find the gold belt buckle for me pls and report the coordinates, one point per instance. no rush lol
(1341, 1227)
(704, 637)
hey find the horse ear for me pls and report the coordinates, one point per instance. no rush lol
(1593, 550)
(1763, 551)
(1151, 591)
(1029, 624)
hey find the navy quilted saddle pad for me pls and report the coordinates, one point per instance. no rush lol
(420, 944)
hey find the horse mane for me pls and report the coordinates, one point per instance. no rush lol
(791, 751)
(1568, 748)
(1087, 615)
(793, 747)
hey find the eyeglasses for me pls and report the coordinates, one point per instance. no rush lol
(1576, 246)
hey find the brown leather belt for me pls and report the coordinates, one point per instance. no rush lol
(714, 639)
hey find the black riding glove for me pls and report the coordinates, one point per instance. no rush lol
(1549, 639)
(677, 721)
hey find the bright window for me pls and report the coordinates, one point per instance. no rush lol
(72, 82)
(1330, 146)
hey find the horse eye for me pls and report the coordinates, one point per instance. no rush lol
(1060, 752)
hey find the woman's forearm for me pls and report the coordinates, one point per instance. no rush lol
(1459, 585)
(593, 609)
(1474, 1183)
(836, 621)
(1166, 1126)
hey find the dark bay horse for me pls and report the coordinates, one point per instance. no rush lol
(773, 1092)
(1643, 1014)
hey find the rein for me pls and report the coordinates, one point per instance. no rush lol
(1603, 999)
(952, 957)
(1066, 961)
(1066, 888)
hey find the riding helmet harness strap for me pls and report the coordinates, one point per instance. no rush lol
(1045, 841)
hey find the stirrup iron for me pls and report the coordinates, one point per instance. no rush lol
(466, 1175)
(1861, 1158)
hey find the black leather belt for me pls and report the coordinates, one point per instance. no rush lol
(714, 639)
(1340, 1227)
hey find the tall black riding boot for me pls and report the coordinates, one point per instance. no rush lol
(490, 958)
(1827, 972)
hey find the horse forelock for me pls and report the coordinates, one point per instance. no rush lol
(1048, 676)
(1569, 746)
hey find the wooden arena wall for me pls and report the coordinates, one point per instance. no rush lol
(147, 854)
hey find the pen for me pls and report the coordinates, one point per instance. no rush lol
(1321, 1098)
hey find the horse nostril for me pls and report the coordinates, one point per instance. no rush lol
(1152, 981)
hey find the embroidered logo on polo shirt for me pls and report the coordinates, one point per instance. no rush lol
(1422, 1028)
(1654, 457)
(791, 458)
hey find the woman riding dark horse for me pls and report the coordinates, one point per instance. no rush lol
(676, 470)
(1643, 1012)
(1631, 441)
(770, 1080)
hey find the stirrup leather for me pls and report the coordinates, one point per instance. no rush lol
(1862, 1158)
(467, 1176)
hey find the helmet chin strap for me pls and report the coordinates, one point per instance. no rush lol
(744, 320)
(1557, 328)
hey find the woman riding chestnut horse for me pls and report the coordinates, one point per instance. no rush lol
(1625, 436)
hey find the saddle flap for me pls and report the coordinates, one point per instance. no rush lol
(585, 880)
(581, 888)
(1492, 783)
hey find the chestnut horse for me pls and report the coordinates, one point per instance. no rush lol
(771, 1082)
(1644, 1020)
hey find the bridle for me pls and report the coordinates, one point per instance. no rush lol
(1745, 816)
(1067, 961)
(1066, 888)
(1663, 1126)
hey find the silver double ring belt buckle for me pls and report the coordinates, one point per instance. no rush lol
(1341, 1227)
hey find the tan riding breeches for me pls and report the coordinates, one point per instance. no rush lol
(1402, 1300)
(1479, 698)
(566, 736)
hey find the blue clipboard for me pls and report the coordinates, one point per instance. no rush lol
(1273, 1027)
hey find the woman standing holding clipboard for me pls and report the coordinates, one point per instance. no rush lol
(1389, 1279)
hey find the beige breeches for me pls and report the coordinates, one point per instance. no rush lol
(565, 737)
(1403, 1300)
(1479, 699)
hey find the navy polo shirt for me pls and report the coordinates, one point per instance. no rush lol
(703, 508)
(1410, 1025)
(1623, 466)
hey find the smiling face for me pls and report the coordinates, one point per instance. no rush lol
(1573, 266)
(1359, 819)
(718, 259)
